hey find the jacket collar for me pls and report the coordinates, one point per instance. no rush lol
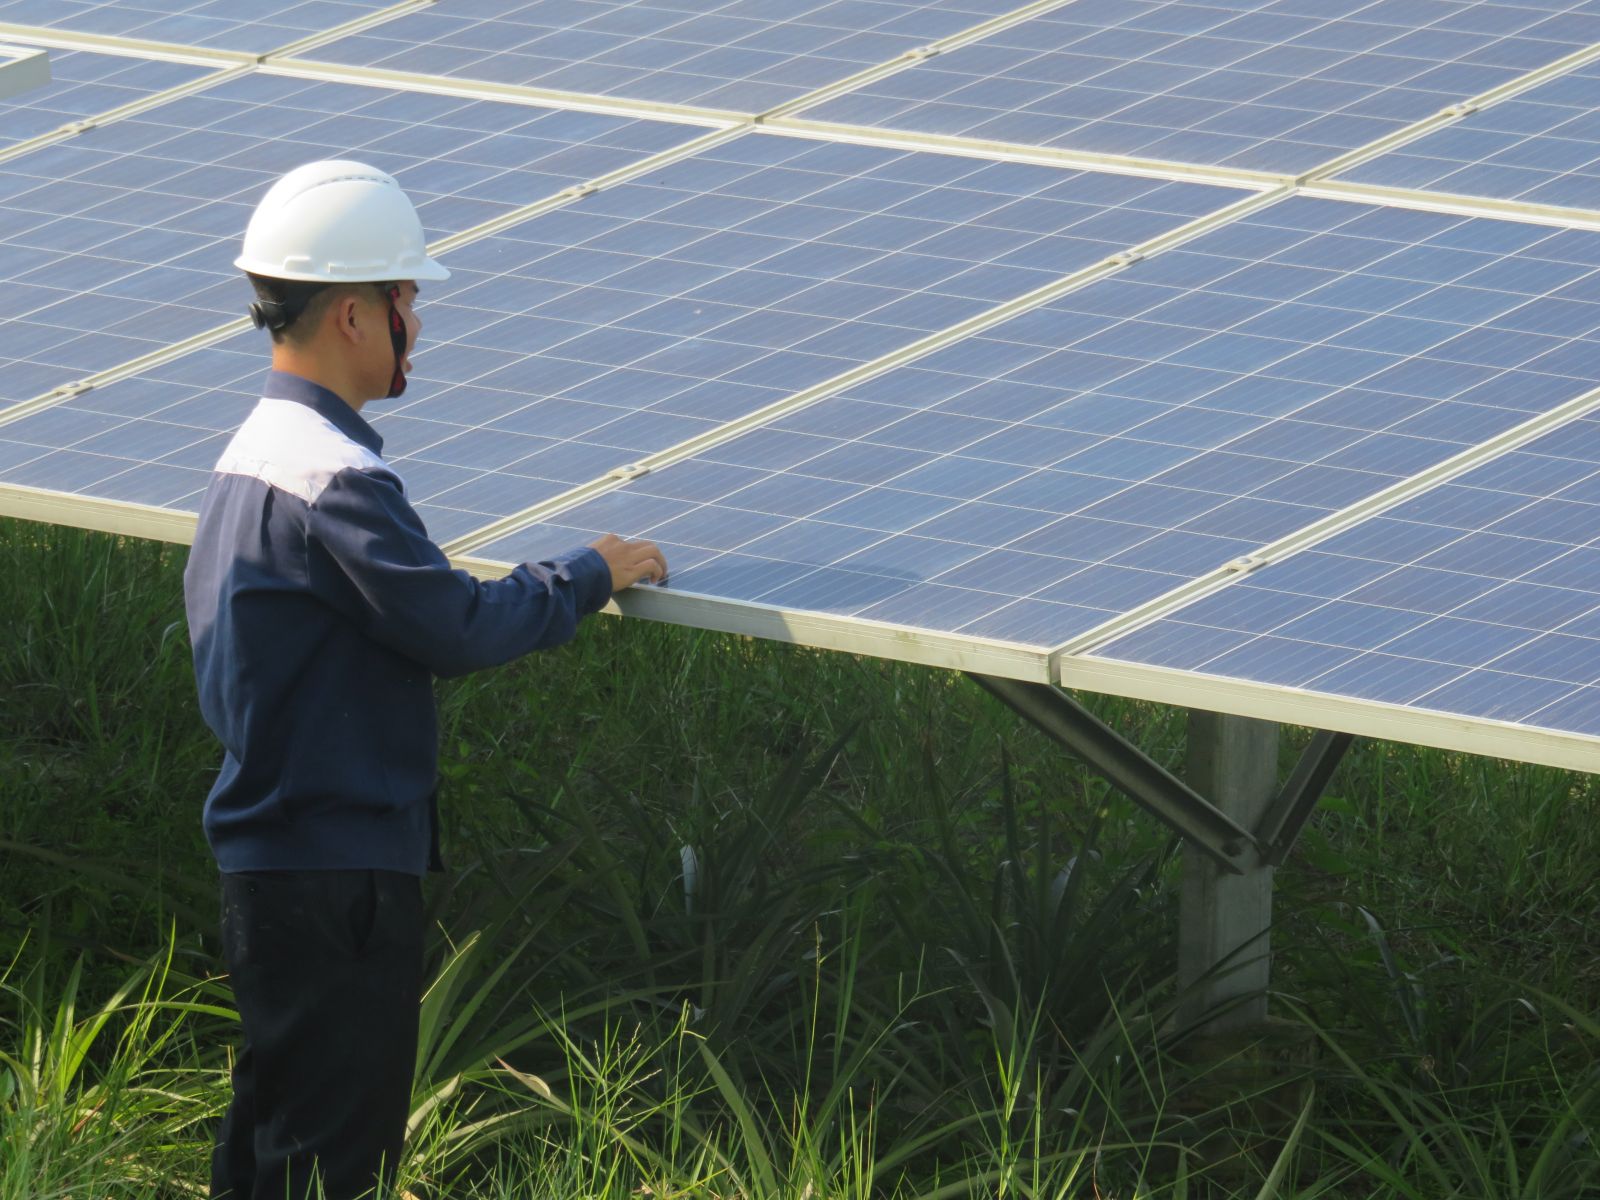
(281, 385)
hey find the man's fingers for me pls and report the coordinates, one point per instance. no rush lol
(631, 561)
(650, 563)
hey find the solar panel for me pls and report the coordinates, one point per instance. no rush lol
(741, 55)
(121, 240)
(797, 361)
(1082, 459)
(1272, 85)
(1538, 147)
(223, 24)
(84, 84)
(1480, 598)
(655, 311)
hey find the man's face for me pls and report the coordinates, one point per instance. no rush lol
(405, 305)
(378, 359)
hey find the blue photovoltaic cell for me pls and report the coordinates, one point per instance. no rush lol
(83, 84)
(743, 55)
(1539, 147)
(1270, 85)
(247, 25)
(1092, 454)
(121, 239)
(655, 311)
(1479, 598)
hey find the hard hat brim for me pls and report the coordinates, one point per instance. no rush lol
(428, 271)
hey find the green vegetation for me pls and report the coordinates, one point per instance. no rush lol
(732, 919)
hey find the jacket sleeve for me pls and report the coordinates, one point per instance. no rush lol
(369, 556)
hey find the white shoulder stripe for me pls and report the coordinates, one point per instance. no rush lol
(291, 447)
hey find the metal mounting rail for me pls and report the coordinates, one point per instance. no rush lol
(1048, 156)
(101, 43)
(514, 93)
(1453, 204)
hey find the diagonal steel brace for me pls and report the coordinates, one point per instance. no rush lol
(1287, 815)
(1129, 769)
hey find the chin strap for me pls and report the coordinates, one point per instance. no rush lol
(397, 336)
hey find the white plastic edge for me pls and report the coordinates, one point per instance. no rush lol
(1318, 710)
(105, 516)
(823, 631)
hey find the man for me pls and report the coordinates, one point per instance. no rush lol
(320, 611)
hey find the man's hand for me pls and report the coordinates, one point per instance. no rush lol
(631, 561)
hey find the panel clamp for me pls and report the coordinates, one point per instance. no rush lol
(79, 126)
(578, 191)
(920, 54)
(1463, 108)
(76, 388)
(1245, 563)
(1125, 259)
(630, 471)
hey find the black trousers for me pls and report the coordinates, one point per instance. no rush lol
(326, 969)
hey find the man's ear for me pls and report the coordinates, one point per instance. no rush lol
(344, 316)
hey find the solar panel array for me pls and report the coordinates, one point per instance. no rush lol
(1238, 355)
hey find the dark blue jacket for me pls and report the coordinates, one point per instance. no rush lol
(320, 611)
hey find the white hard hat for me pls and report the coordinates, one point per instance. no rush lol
(337, 221)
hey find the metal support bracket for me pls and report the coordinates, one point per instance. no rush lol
(1287, 815)
(1128, 769)
(21, 69)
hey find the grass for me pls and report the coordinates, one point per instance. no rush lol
(729, 919)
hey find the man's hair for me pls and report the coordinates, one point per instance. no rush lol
(304, 303)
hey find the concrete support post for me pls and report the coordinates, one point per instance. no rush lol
(1224, 952)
